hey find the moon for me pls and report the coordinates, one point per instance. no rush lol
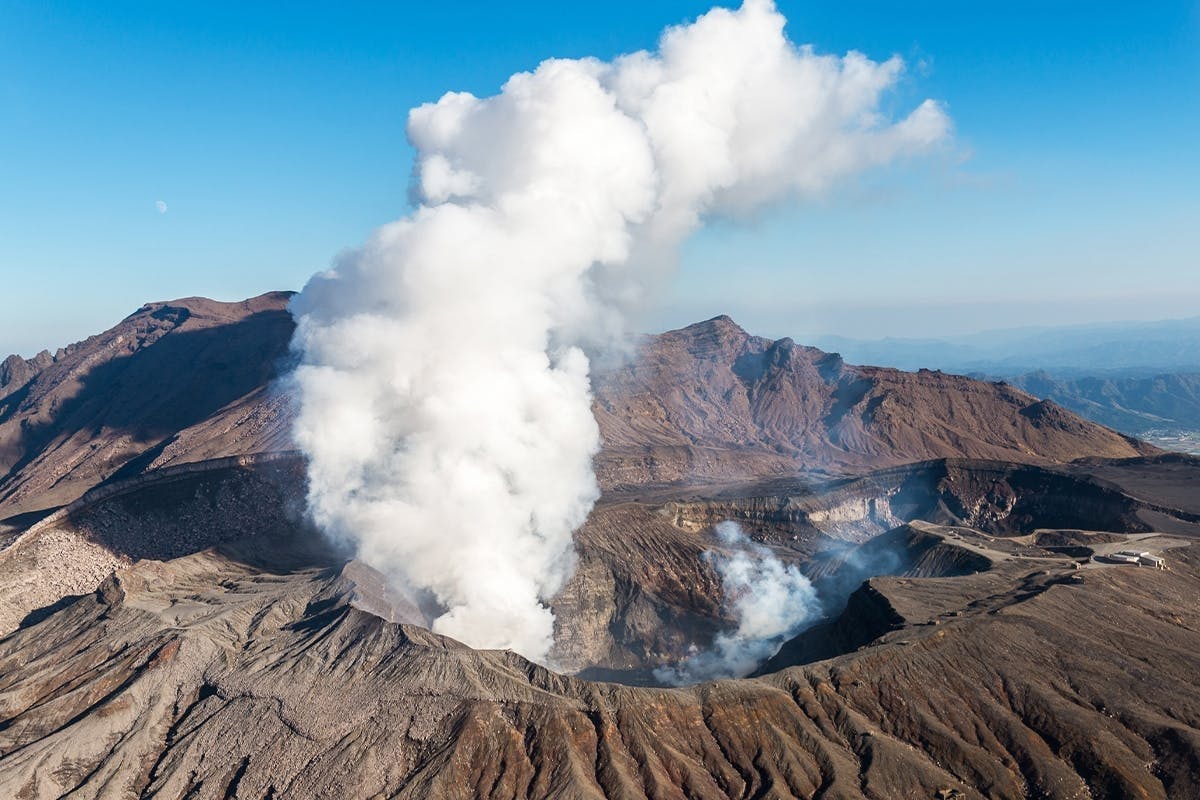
(161, 206)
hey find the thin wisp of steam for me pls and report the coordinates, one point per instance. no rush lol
(771, 601)
(443, 386)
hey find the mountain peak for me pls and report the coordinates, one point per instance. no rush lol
(721, 322)
(218, 309)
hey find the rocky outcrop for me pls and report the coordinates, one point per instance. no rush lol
(15, 371)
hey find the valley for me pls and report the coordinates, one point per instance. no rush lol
(1182, 441)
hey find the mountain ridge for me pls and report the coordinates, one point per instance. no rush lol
(1131, 404)
(777, 405)
(177, 628)
(112, 403)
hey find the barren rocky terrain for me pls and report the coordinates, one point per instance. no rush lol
(711, 402)
(170, 626)
(191, 379)
(173, 382)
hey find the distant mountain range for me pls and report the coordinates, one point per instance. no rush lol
(1116, 349)
(1141, 378)
(1132, 404)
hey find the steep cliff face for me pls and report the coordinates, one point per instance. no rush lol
(998, 497)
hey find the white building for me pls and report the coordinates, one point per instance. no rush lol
(1127, 556)
(1139, 557)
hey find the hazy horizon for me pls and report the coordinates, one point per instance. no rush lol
(933, 322)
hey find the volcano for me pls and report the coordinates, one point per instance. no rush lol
(172, 626)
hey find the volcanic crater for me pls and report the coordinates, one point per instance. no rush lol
(170, 624)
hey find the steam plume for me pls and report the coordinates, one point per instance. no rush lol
(771, 602)
(444, 389)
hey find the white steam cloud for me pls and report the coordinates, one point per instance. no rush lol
(445, 403)
(771, 602)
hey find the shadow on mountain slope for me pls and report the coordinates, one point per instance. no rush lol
(160, 372)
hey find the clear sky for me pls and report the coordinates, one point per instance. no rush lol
(274, 135)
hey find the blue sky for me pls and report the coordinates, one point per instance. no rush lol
(275, 135)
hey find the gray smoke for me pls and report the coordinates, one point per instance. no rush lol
(445, 403)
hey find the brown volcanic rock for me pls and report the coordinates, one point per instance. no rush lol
(711, 402)
(140, 391)
(218, 675)
(188, 380)
(643, 593)
(15, 371)
(233, 655)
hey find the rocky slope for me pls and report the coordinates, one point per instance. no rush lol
(175, 629)
(253, 671)
(172, 382)
(711, 402)
(189, 380)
